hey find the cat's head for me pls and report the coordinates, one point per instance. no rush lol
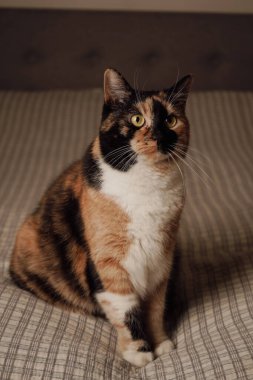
(148, 125)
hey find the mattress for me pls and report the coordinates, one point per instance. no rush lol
(210, 304)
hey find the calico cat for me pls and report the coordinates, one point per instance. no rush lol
(102, 238)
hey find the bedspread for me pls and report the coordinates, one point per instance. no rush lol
(210, 304)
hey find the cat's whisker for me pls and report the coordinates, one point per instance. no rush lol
(116, 154)
(182, 176)
(125, 161)
(116, 150)
(144, 149)
(140, 102)
(193, 169)
(130, 160)
(144, 84)
(190, 157)
(176, 96)
(197, 165)
(113, 154)
(194, 150)
(174, 85)
(190, 167)
(137, 93)
(179, 93)
(120, 157)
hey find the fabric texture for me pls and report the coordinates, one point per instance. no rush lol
(210, 304)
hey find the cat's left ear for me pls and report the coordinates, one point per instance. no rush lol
(178, 93)
(116, 88)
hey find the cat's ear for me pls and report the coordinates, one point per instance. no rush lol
(178, 93)
(116, 88)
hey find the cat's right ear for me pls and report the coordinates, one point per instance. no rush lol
(116, 88)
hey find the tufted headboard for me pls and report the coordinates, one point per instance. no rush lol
(70, 49)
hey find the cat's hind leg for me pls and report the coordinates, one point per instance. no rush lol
(37, 266)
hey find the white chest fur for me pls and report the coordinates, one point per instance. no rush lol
(151, 200)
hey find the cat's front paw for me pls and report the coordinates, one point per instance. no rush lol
(139, 359)
(165, 347)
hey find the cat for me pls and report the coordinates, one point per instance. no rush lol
(101, 240)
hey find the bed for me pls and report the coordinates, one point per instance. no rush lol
(210, 306)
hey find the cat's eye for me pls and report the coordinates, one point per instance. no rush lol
(137, 120)
(171, 121)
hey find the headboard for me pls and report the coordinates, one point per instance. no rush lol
(55, 49)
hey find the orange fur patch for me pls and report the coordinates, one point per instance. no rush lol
(106, 232)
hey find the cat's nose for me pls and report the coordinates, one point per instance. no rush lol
(155, 134)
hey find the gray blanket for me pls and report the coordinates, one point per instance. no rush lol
(210, 304)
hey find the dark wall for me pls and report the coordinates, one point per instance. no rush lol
(70, 49)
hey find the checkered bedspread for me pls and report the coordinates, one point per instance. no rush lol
(211, 305)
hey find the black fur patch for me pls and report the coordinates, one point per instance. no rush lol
(135, 322)
(43, 284)
(112, 140)
(145, 348)
(94, 282)
(63, 242)
(20, 282)
(176, 303)
(106, 111)
(166, 138)
(62, 248)
(73, 219)
(91, 169)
